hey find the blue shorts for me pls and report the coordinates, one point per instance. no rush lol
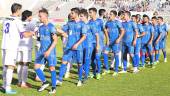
(75, 55)
(87, 53)
(51, 59)
(138, 46)
(128, 48)
(156, 46)
(146, 47)
(115, 48)
(162, 44)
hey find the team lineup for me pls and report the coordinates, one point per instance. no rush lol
(86, 38)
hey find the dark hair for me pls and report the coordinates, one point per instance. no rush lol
(43, 10)
(93, 9)
(101, 11)
(134, 16)
(120, 13)
(114, 12)
(160, 18)
(154, 17)
(26, 14)
(128, 13)
(15, 7)
(84, 12)
(76, 10)
(145, 16)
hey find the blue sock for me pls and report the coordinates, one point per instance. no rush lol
(152, 58)
(63, 68)
(143, 60)
(134, 61)
(98, 64)
(53, 78)
(164, 53)
(125, 64)
(106, 63)
(80, 72)
(156, 57)
(40, 74)
(116, 63)
(86, 67)
(137, 59)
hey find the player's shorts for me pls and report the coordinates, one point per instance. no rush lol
(128, 48)
(162, 44)
(76, 55)
(138, 46)
(146, 47)
(87, 53)
(51, 59)
(115, 48)
(9, 57)
(24, 56)
(156, 46)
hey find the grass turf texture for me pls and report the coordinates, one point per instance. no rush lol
(148, 82)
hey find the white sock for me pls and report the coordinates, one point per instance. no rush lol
(128, 60)
(135, 68)
(9, 74)
(24, 74)
(19, 71)
(4, 76)
(68, 67)
(42, 67)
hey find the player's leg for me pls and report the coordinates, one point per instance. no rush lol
(137, 53)
(67, 55)
(143, 55)
(156, 46)
(98, 64)
(150, 48)
(116, 50)
(52, 61)
(124, 50)
(131, 53)
(87, 59)
(27, 57)
(93, 63)
(19, 67)
(106, 60)
(9, 62)
(4, 69)
(40, 60)
(163, 47)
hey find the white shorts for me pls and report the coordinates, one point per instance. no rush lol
(24, 56)
(9, 57)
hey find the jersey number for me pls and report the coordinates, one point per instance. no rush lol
(7, 25)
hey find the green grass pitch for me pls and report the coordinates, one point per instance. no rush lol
(148, 82)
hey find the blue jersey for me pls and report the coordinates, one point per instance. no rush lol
(149, 30)
(74, 30)
(98, 23)
(140, 29)
(163, 28)
(130, 28)
(46, 32)
(156, 32)
(113, 28)
(86, 28)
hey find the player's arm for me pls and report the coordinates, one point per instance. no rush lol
(61, 32)
(107, 36)
(53, 45)
(79, 42)
(83, 32)
(152, 35)
(143, 32)
(27, 34)
(97, 42)
(136, 33)
(122, 32)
